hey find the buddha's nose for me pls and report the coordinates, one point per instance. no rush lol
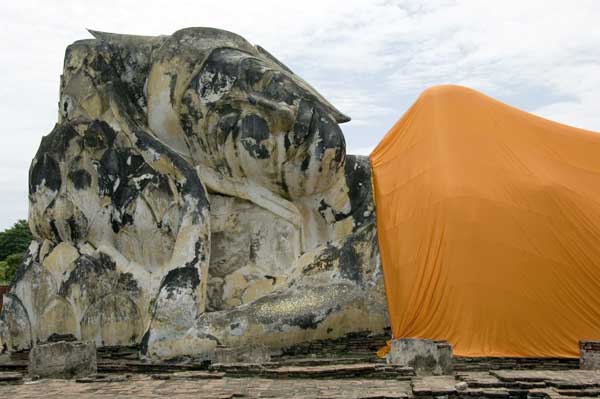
(331, 138)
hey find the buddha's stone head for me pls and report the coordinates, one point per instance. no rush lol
(232, 107)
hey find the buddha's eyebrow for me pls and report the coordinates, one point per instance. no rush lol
(257, 99)
(282, 110)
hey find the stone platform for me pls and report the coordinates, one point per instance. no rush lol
(342, 368)
(356, 374)
(202, 384)
(146, 386)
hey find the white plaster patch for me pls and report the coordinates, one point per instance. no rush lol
(207, 91)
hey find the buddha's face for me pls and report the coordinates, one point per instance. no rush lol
(249, 118)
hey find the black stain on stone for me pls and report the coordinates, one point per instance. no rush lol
(222, 67)
(306, 321)
(190, 118)
(304, 122)
(172, 86)
(254, 130)
(127, 219)
(88, 271)
(346, 259)
(325, 209)
(122, 176)
(81, 179)
(309, 319)
(326, 260)
(305, 163)
(128, 283)
(350, 262)
(358, 180)
(115, 225)
(108, 172)
(53, 228)
(191, 182)
(57, 142)
(144, 343)
(227, 125)
(44, 171)
(281, 89)
(77, 228)
(199, 255)
(99, 135)
(55, 337)
(273, 278)
(65, 108)
(252, 71)
(103, 68)
(180, 278)
(330, 135)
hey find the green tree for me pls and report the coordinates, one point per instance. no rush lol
(12, 261)
(13, 245)
(3, 266)
(15, 239)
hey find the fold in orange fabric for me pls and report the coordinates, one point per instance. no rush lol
(488, 221)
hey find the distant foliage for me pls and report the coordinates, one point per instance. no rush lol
(15, 239)
(12, 261)
(14, 242)
(3, 267)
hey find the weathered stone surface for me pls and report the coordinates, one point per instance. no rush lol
(365, 377)
(251, 251)
(11, 378)
(3, 289)
(194, 193)
(425, 356)
(251, 354)
(213, 388)
(465, 364)
(102, 378)
(194, 384)
(589, 355)
(361, 344)
(354, 370)
(434, 386)
(63, 360)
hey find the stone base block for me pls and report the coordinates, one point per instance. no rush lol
(423, 355)
(253, 354)
(63, 360)
(10, 378)
(589, 355)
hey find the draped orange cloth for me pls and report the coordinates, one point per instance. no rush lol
(488, 221)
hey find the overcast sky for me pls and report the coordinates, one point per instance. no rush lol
(369, 58)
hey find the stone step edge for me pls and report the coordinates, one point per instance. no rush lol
(371, 370)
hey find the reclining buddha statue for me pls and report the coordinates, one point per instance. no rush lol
(194, 192)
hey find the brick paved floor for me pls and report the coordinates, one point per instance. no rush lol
(505, 384)
(143, 386)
